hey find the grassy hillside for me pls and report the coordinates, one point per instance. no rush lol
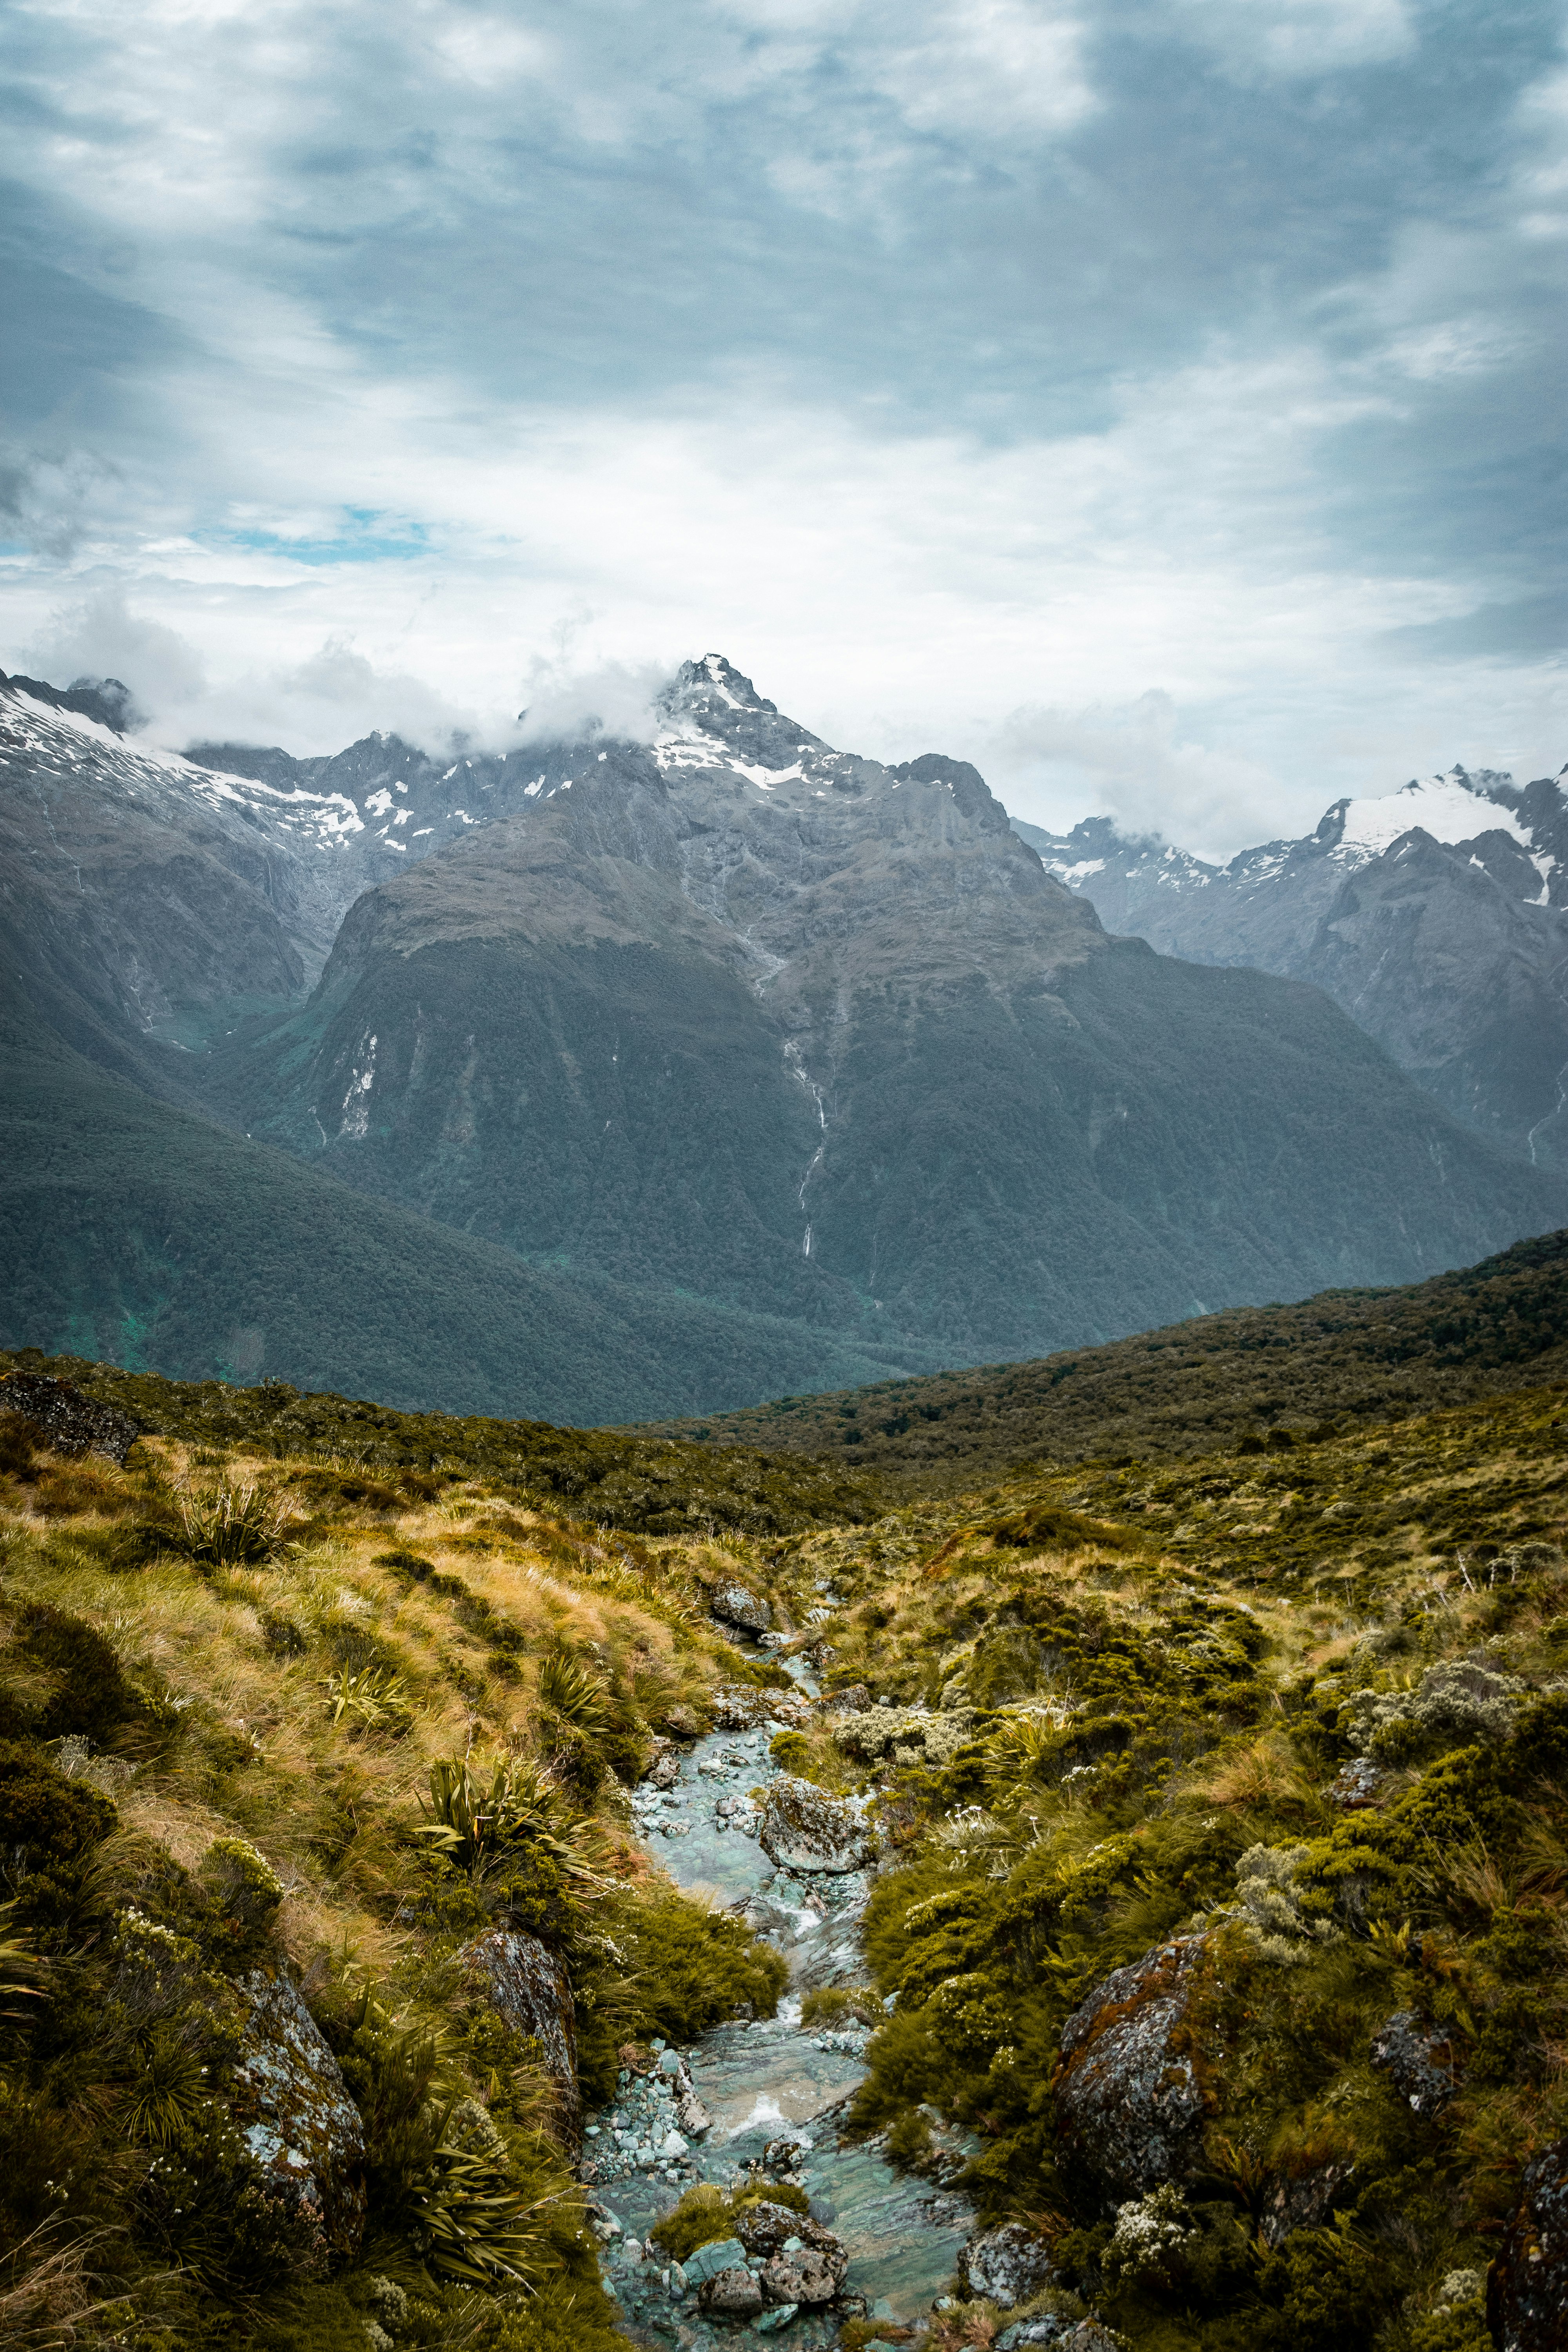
(216, 1758)
(1121, 1697)
(652, 1485)
(1345, 1357)
(137, 1232)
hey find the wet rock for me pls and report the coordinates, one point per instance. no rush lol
(1421, 2061)
(1527, 2286)
(1304, 2202)
(805, 1829)
(786, 2155)
(1356, 1785)
(693, 2117)
(65, 1419)
(763, 2229)
(1006, 2266)
(733, 2293)
(778, 2316)
(738, 1605)
(297, 2117)
(707, 2261)
(529, 1989)
(1129, 2104)
(665, 1769)
(804, 2273)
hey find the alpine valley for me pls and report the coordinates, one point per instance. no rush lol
(604, 1079)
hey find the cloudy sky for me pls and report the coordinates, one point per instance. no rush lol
(1159, 402)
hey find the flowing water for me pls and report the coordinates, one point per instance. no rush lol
(765, 2080)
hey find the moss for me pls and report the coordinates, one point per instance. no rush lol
(706, 2213)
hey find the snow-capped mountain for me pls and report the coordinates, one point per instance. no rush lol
(783, 1057)
(1437, 916)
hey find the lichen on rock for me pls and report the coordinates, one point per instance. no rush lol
(299, 2122)
(803, 1828)
(1129, 2104)
(530, 1991)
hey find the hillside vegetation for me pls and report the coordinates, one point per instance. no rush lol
(1240, 1778)
(1253, 1374)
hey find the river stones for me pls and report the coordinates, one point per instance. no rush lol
(1006, 2266)
(1527, 2286)
(293, 2105)
(1129, 2104)
(738, 1605)
(804, 1829)
(529, 1990)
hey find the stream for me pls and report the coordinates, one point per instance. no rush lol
(762, 2083)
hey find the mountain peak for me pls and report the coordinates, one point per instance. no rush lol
(716, 678)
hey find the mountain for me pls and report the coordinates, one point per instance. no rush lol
(1324, 1367)
(1438, 917)
(134, 1229)
(800, 1068)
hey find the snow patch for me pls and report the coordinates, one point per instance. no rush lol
(1447, 807)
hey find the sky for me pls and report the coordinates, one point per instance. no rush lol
(1157, 402)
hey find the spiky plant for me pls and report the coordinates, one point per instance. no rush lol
(170, 2091)
(374, 1697)
(481, 1813)
(584, 1699)
(227, 1526)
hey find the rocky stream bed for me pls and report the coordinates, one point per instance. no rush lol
(760, 2099)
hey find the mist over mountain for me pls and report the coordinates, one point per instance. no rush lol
(1438, 917)
(815, 1051)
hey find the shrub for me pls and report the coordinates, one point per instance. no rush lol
(89, 1695)
(481, 1816)
(49, 1827)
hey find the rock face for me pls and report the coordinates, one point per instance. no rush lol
(805, 2274)
(1129, 2105)
(1527, 2286)
(65, 1419)
(738, 1605)
(299, 2121)
(804, 1829)
(1005, 2266)
(1420, 2060)
(528, 1988)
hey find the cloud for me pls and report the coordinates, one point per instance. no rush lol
(1134, 764)
(936, 361)
(102, 637)
(1292, 39)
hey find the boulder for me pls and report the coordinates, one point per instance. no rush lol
(293, 2108)
(798, 2274)
(65, 1419)
(529, 1989)
(733, 2293)
(805, 1829)
(1356, 1785)
(719, 2254)
(1129, 2104)
(1005, 2266)
(1527, 2286)
(1421, 2061)
(763, 2229)
(738, 1605)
